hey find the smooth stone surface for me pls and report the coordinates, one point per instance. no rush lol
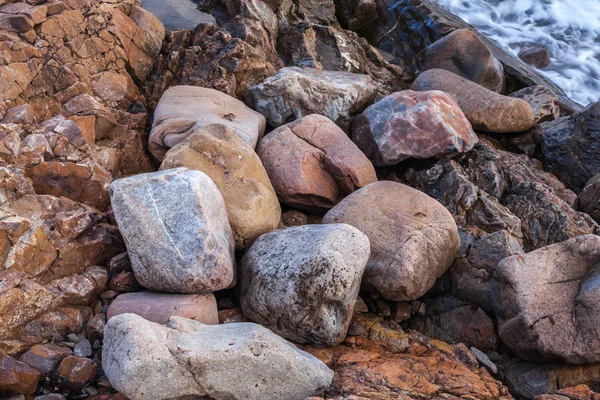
(487, 111)
(302, 282)
(176, 230)
(224, 362)
(410, 124)
(589, 198)
(414, 239)
(542, 100)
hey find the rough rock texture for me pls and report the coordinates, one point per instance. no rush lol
(17, 377)
(185, 109)
(486, 110)
(536, 55)
(45, 357)
(411, 124)
(313, 164)
(404, 227)
(589, 198)
(251, 202)
(463, 53)
(295, 92)
(354, 14)
(542, 100)
(547, 302)
(175, 227)
(159, 307)
(200, 360)
(302, 282)
(569, 147)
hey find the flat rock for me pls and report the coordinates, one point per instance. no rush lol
(486, 110)
(589, 198)
(296, 92)
(542, 100)
(302, 282)
(403, 226)
(412, 124)
(313, 164)
(230, 361)
(176, 230)
(183, 109)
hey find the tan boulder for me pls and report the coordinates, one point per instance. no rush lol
(251, 202)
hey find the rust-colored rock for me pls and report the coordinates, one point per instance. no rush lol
(75, 372)
(17, 377)
(45, 357)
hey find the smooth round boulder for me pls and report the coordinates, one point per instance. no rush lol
(251, 202)
(410, 124)
(302, 282)
(414, 239)
(486, 110)
(589, 198)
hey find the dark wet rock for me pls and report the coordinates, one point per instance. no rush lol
(45, 357)
(354, 14)
(589, 198)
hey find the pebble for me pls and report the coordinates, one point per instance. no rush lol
(83, 348)
(484, 360)
(92, 391)
(73, 338)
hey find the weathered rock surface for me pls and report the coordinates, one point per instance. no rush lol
(45, 357)
(547, 302)
(589, 198)
(302, 282)
(486, 110)
(313, 164)
(411, 124)
(17, 377)
(463, 53)
(354, 14)
(200, 360)
(404, 225)
(542, 100)
(185, 109)
(536, 55)
(176, 230)
(296, 92)
(251, 202)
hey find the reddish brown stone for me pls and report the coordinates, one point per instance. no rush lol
(95, 327)
(124, 282)
(75, 372)
(536, 55)
(17, 377)
(45, 357)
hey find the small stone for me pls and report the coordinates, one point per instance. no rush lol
(83, 348)
(536, 55)
(95, 327)
(589, 198)
(231, 315)
(17, 377)
(124, 282)
(484, 360)
(360, 306)
(73, 338)
(542, 100)
(401, 311)
(293, 218)
(355, 329)
(92, 391)
(52, 396)
(383, 309)
(75, 373)
(45, 357)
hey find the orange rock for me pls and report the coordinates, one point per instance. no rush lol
(17, 377)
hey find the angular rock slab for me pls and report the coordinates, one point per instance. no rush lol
(548, 302)
(410, 124)
(252, 205)
(589, 198)
(486, 110)
(145, 360)
(295, 92)
(313, 164)
(175, 227)
(302, 282)
(414, 239)
(183, 109)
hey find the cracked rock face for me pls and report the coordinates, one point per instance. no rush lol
(176, 230)
(302, 282)
(224, 362)
(313, 164)
(412, 124)
(414, 239)
(548, 302)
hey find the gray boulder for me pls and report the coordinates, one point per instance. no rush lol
(302, 282)
(176, 230)
(149, 361)
(589, 198)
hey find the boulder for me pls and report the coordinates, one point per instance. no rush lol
(411, 124)
(296, 92)
(229, 361)
(486, 110)
(404, 225)
(251, 202)
(302, 282)
(463, 53)
(184, 109)
(159, 307)
(45, 357)
(542, 100)
(536, 55)
(589, 198)
(313, 164)
(17, 377)
(548, 302)
(176, 230)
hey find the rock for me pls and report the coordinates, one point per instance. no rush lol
(124, 282)
(589, 198)
(547, 302)
(159, 307)
(296, 92)
(176, 117)
(22, 114)
(175, 227)
(17, 377)
(403, 225)
(201, 359)
(354, 14)
(536, 55)
(95, 327)
(580, 392)
(568, 147)
(313, 164)
(231, 316)
(251, 202)
(484, 360)
(411, 124)
(302, 282)
(45, 357)
(75, 373)
(293, 218)
(542, 100)
(83, 348)
(487, 111)
(463, 53)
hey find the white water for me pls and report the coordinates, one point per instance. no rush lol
(570, 29)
